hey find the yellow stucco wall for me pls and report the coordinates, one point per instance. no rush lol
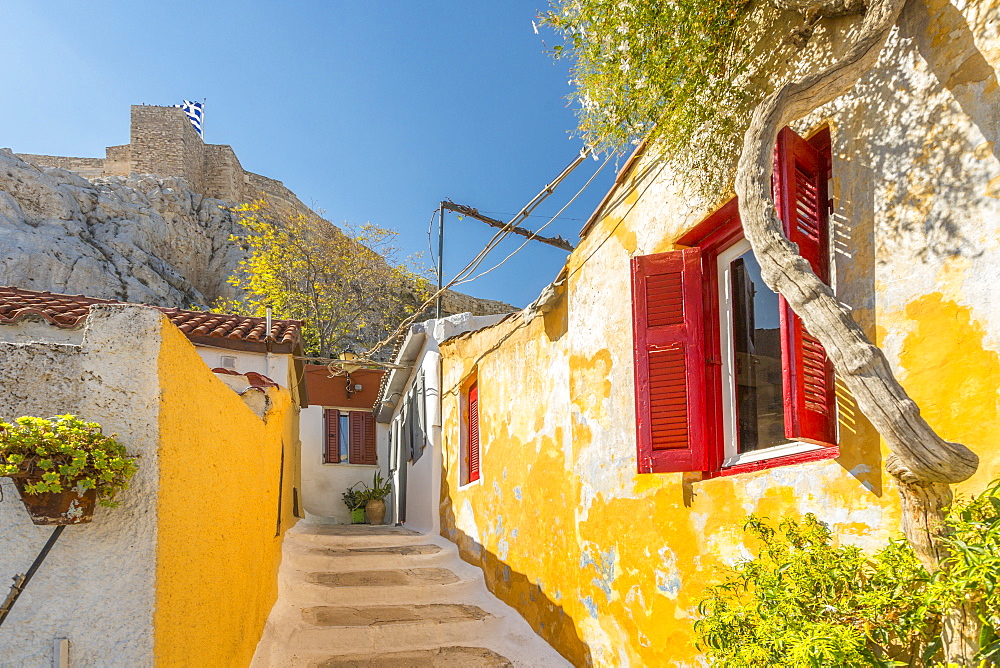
(609, 565)
(219, 541)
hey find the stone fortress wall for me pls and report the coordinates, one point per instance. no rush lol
(162, 141)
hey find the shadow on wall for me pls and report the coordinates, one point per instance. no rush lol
(544, 615)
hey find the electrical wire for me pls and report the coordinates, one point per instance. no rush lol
(481, 255)
(430, 245)
(551, 220)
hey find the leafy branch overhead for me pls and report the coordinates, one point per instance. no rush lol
(345, 285)
(672, 72)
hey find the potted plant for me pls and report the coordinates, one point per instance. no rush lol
(62, 466)
(375, 495)
(355, 501)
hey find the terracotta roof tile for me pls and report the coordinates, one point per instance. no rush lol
(224, 330)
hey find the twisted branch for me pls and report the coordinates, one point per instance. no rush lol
(918, 454)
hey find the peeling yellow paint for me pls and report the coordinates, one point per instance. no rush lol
(954, 379)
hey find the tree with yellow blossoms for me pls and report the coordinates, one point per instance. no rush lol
(345, 284)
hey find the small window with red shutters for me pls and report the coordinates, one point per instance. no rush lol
(470, 440)
(349, 437)
(727, 378)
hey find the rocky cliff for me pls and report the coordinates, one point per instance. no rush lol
(141, 238)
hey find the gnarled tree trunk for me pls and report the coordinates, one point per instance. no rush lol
(922, 462)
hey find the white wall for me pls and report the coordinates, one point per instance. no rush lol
(423, 493)
(97, 586)
(275, 366)
(323, 484)
(420, 352)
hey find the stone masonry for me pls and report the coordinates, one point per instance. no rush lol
(163, 142)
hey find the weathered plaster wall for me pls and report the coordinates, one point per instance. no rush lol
(609, 565)
(225, 502)
(96, 587)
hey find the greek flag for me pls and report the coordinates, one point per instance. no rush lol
(195, 111)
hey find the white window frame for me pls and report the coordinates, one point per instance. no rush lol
(727, 349)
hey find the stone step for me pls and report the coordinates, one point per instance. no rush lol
(440, 657)
(390, 628)
(385, 578)
(353, 535)
(376, 587)
(310, 557)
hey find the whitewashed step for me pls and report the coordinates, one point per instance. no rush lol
(311, 557)
(376, 587)
(439, 657)
(356, 629)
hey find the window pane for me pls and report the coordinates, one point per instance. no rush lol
(345, 435)
(757, 347)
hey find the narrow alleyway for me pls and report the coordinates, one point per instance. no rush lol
(353, 596)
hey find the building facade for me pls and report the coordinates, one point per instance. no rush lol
(600, 460)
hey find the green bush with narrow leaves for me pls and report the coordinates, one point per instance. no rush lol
(62, 453)
(803, 601)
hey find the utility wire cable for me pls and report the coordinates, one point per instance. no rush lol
(552, 220)
(476, 261)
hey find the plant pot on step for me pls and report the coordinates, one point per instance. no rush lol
(66, 507)
(375, 510)
(358, 516)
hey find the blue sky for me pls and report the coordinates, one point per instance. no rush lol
(371, 111)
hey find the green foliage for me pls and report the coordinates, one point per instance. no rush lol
(804, 602)
(801, 601)
(669, 71)
(380, 488)
(971, 571)
(64, 452)
(344, 285)
(355, 499)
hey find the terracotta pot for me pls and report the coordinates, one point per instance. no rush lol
(375, 509)
(67, 507)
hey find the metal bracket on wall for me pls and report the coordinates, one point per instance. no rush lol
(21, 581)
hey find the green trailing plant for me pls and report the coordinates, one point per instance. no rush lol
(669, 72)
(62, 453)
(355, 499)
(380, 488)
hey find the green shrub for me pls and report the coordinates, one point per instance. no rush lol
(64, 452)
(804, 602)
(801, 601)
(971, 571)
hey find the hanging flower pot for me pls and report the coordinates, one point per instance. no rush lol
(70, 506)
(61, 466)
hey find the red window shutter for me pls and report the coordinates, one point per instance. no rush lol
(368, 453)
(474, 432)
(808, 381)
(670, 364)
(356, 445)
(331, 421)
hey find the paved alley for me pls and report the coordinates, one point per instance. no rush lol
(353, 596)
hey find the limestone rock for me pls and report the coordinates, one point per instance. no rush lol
(139, 238)
(142, 238)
